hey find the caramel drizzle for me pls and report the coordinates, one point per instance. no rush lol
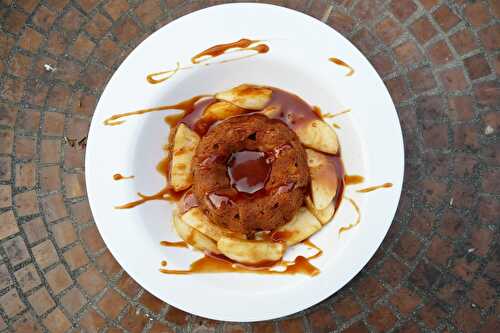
(333, 115)
(174, 244)
(162, 195)
(358, 218)
(184, 105)
(202, 58)
(342, 63)
(373, 188)
(118, 176)
(353, 179)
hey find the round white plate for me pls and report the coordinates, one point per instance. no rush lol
(370, 137)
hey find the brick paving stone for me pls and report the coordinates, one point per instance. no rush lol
(438, 60)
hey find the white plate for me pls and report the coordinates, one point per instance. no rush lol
(300, 46)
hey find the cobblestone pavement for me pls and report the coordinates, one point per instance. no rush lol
(438, 269)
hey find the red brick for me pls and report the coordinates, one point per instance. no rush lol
(382, 319)
(45, 254)
(234, 328)
(341, 22)
(25, 147)
(26, 203)
(88, 5)
(358, 327)
(463, 41)
(82, 47)
(44, 18)
(466, 136)
(5, 196)
(53, 124)
(492, 324)
(445, 17)
(64, 233)
(488, 208)
(107, 263)
(439, 53)
(57, 322)
(388, 30)
(408, 246)
(367, 10)
(92, 281)
(477, 14)
(27, 278)
(112, 303)
(14, 21)
(11, 303)
(6, 44)
(28, 121)
(463, 195)
(487, 93)
(92, 321)
(73, 301)
(8, 225)
(94, 76)
(58, 5)
(31, 40)
(149, 11)
(151, 302)
(77, 128)
(13, 89)
(465, 165)
(408, 53)
(482, 293)
(490, 181)
(321, 321)
(74, 185)
(435, 136)
(347, 307)
(465, 268)
(27, 324)
(422, 79)
(8, 115)
(5, 168)
(451, 225)
(424, 275)
(422, 29)
(108, 52)
(25, 175)
(490, 37)
(428, 4)
(35, 230)
(482, 239)
(466, 318)
(56, 43)
(492, 119)
(176, 316)
(83, 103)
(41, 301)
(134, 321)
(440, 250)
(432, 315)
(73, 156)
(453, 79)
(115, 8)
(405, 300)
(36, 93)
(294, 325)
(6, 141)
(263, 327)
(58, 279)
(76, 257)
(54, 208)
(72, 20)
(68, 71)
(382, 63)
(20, 65)
(98, 25)
(402, 9)
(81, 212)
(127, 31)
(50, 178)
(364, 40)
(128, 285)
(59, 96)
(369, 289)
(460, 108)
(398, 89)
(477, 66)
(28, 5)
(318, 8)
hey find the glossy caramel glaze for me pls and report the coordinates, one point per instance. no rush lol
(373, 188)
(353, 179)
(356, 222)
(174, 244)
(118, 176)
(342, 63)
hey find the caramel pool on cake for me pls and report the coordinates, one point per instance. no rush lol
(259, 171)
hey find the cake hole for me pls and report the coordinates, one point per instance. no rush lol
(253, 136)
(216, 146)
(237, 216)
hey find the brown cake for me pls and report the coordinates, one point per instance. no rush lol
(250, 173)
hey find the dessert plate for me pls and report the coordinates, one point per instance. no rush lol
(297, 61)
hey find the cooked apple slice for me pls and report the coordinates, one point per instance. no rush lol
(318, 135)
(247, 96)
(198, 220)
(185, 143)
(272, 111)
(323, 215)
(222, 110)
(301, 227)
(251, 252)
(324, 181)
(193, 237)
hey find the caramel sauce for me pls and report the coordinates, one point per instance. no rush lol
(174, 244)
(184, 106)
(337, 179)
(248, 171)
(202, 58)
(118, 176)
(333, 115)
(373, 188)
(163, 263)
(353, 179)
(358, 218)
(339, 62)
(281, 236)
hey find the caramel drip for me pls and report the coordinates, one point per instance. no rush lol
(342, 63)
(162, 195)
(358, 218)
(333, 115)
(353, 179)
(220, 49)
(373, 188)
(163, 263)
(184, 106)
(174, 244)
(118, 176)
